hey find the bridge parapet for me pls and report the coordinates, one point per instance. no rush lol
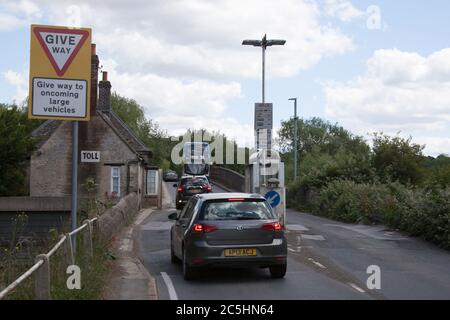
(228, 178)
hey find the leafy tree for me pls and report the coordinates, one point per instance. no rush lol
(16, 145)
(319, 135)
(397, 159)
(320, 144)
(437, 171)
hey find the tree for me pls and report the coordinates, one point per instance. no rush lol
(326, 151)
(319, 135)
(16, 145)
(397, 159)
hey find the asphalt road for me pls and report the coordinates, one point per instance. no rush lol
(327, 260)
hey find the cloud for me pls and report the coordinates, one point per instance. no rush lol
(17, 14)
(20, 82)
(400, 91)
(178, 105)
(183, 60)
(342, 10)
(200, 38)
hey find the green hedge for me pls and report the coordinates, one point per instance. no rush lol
(420, 212)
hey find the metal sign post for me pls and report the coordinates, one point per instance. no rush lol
(74, 204)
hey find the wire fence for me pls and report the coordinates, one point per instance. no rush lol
(41, 267)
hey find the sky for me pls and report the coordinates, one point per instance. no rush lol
(371, 66)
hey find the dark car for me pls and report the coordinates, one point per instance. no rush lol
(189, 186)
(170, 175)
(228, 229)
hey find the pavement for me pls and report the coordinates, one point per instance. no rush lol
(326, 260)
(129, 279)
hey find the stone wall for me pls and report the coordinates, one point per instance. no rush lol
(112, 220)
(50, 172)
(228, 178)
(97, 135)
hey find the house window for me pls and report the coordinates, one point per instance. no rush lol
(152, 181)
(115, 181)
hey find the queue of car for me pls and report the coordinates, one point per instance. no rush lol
(224, 229)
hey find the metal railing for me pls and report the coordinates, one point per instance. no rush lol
(42, 264)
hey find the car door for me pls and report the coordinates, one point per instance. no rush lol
(182, 224)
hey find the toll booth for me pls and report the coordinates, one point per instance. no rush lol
(265, 176)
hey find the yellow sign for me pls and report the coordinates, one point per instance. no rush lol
(60, 73)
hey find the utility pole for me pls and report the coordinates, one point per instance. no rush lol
(295, 139)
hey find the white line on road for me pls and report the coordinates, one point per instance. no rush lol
(354, 286)
(292, 250)
(317, 263)
(314, 237)
(172, 293)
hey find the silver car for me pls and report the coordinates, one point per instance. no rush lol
(228, 229)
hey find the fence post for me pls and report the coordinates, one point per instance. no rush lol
(69, 251)
(87, 239)
(42, 282)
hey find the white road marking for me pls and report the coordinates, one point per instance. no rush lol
(317, 263)
(313, 237)
(292, 250)
(354, 286)
(172, 293)
(296, 227)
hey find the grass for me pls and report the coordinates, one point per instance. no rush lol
(93, 274)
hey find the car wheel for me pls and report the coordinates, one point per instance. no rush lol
(188, 272)
(278, 271)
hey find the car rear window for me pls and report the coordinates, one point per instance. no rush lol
(236, 210)
(195, 182)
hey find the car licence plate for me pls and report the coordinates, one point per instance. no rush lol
(240, 252)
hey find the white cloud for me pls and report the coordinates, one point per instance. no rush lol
(17, 14)
(344, 10)
(201, 38)
(20, 82)
(183, 60)
(400, 91)
(177, 105)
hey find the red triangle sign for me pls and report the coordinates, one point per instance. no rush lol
(61, 45)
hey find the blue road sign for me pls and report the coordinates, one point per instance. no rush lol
(273, 198)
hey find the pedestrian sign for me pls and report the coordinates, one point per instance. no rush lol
(273, 198)
(60, 73)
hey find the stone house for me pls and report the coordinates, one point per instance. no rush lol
(124, 161)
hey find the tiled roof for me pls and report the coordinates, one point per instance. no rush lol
(46, 129)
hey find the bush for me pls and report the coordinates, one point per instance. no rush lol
(419, 212)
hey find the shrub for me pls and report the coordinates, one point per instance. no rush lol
(420, 212)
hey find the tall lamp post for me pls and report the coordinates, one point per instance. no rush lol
(295, 138)
(264, 43)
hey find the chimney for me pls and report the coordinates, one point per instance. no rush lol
(104, 93)
(94, 78)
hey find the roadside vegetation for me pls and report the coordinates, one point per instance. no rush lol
(389, 181)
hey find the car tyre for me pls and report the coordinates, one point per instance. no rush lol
(189, 273)
(278, 271)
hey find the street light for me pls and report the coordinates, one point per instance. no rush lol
(264, 43)
(295, 137)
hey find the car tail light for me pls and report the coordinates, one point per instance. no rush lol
(209, 188)
(275, 226)
(206, 228)
(180, 189)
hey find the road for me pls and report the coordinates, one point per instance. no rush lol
(327, 260)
